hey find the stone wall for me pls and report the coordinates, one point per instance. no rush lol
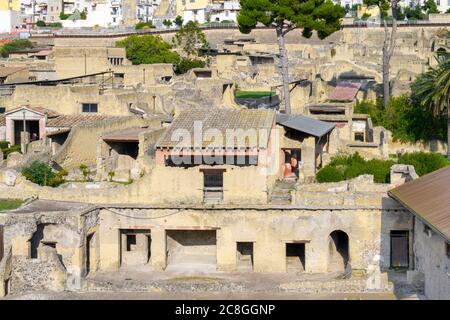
(81, 144)
(432, 261)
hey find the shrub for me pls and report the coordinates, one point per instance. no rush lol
(143, 25)
(187, 64)
(4, 144)
(85, 172)
(58, 179)
(55, 25)
(424, 162)
(15, 45)
(329, 174)
(7, 151)
(39, 172)
(380, 169)
(63, 16)
(40, 23)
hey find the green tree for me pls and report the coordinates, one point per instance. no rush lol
(432, 90)
(429, 6)
(148, 49)
(286, 15)
(187, 64)
(388, 42)
(40, 23)
(178, 21)
(167, 23)
(190, 38)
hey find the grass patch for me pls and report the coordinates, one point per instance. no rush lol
(196, 278)
(253, 94)
(9, 204)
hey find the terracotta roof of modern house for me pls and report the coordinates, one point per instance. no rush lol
(7, 71)
(221, 120)
(345, 91)
(429, 199)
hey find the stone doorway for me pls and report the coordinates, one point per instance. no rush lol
(338, 255)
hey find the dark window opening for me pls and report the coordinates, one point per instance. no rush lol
(244, 259)
(129, 148)
(399, 249)
(90, 107)
(359, 136)
(2, 110)
(213, 185)
(295, 257)
(131, 242)
(447, 249)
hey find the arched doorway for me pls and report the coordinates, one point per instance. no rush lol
(338, 252)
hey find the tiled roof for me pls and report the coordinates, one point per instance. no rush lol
(221, 120)
(345, 91)
(72, 120)
(49, 113)
(6, 71)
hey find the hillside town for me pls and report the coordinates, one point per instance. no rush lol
(225, 149)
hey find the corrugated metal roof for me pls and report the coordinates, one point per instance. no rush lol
(304, 124)
(345, 91)
(220, 119)
(429, 198)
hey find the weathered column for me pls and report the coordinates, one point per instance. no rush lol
(159, 251)
(226, 251)
(110, 248)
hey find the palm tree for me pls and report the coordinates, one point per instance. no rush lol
(433, 90)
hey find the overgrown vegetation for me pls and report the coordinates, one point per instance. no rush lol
(149, 49)
(407, 119)
(7, 149)
(13, 46)
(9, 204)
(144, 25)
(186, 64)
(345, 167)
(43, 175)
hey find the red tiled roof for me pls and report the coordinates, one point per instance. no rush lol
(345, 91)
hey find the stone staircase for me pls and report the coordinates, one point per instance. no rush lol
(281, 192)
